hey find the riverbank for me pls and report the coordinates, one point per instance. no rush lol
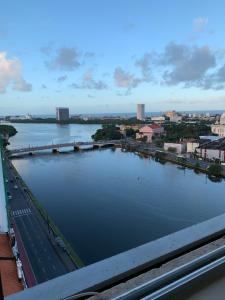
(161, 155)
(55, 236)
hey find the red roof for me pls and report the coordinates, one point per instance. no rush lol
(154, 126)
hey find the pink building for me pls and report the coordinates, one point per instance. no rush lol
(149, 131)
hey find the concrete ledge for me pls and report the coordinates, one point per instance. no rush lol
(115, 268)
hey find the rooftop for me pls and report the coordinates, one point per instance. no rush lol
(217, 144)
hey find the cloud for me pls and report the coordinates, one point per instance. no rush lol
(46, 49)
(62, 78)
(215, 81)
(66, 59)
(187, 65)
(90, 83)
(125, 79)
(10, 73)
(21, 85)
(199, 24)
(144, 64)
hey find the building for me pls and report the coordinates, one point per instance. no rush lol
(140, 112)
(158, 119)
(148, 131)
(193, 144)
(170, 114)
(173, 116)
(214, 150)
(176, 119)
(62, 114)
(179, 147)
(219, 128)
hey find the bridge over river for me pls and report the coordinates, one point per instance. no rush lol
(55, 147)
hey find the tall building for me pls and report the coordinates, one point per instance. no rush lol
(140, 112)
(62, 114)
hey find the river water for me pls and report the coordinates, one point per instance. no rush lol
(108, 201)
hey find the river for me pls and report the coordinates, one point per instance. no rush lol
(108, 201)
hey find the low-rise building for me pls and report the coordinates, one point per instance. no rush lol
(176, 119)
(158, 119)
(213, 150)
(179, 147)
(195, 143)
(148, 131)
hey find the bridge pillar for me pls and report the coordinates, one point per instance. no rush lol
(54, 151)
(76, 148)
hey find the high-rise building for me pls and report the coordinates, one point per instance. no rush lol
(140, 112)
(62, 114)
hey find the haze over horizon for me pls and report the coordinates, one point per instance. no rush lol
(107, 56)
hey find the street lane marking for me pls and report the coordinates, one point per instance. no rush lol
(21, 212)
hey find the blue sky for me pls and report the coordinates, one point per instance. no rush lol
(107, 56)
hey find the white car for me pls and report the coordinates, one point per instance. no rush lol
(15, 187)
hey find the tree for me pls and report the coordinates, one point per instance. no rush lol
(214, 170)
(108, 132)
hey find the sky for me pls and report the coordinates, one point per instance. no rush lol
(105, 56)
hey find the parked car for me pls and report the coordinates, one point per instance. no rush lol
(9, 195)
(15, 187)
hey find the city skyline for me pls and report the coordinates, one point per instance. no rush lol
(111, 56)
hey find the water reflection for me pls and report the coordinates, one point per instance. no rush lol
(107, 201)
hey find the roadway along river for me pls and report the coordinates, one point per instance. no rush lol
(108, 201)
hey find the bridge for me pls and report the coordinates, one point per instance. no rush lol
(55, 147)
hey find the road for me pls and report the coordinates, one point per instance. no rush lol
(46, 259)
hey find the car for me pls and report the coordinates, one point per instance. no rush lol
(15, 187)
(6, 180)
(9, 195)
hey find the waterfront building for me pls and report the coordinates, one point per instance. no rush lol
(140, 112)
(148, 131)
(214, 150)
(193, 144)
(62, 114)
(219, 127)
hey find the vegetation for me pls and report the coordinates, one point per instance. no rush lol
(215, 170)
(108, 132)
(197, 165)
(130, 132)
(102, 121)
(175, 132)
(172, 149)
(160, 155)
(7, 130)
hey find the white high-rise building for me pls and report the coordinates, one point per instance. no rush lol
(141, 112)
(62, 113)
